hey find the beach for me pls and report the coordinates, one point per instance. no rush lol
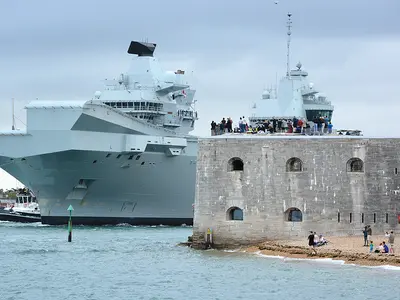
(349, 249)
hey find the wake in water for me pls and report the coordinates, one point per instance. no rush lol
(17, 224)
(39, 224)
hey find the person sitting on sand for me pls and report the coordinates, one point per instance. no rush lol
(385, 248)
(379, 249)
(371, 246)
(322, 241)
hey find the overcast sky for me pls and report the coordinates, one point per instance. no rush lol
(60, 50)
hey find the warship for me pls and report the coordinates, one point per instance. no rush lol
(124, 156)
(294, 97)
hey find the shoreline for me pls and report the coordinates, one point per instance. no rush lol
(358, 255)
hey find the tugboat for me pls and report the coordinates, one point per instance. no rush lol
(25, 210)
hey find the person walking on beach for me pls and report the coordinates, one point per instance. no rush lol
(365, 236)
(311, 242)
(391, 242)
(316, 239)
(369, 233)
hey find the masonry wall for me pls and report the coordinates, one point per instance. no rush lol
(324, 188)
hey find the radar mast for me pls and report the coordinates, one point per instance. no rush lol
(289, 33)
(13, 114)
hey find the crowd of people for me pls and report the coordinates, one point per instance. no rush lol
(321, 125)
(384, 247)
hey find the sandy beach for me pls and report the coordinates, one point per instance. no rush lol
(349, 249)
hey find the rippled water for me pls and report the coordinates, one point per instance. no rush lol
(127, 262)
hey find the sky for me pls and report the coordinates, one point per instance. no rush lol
(62, 50)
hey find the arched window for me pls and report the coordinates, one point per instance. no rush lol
(235, 164)
(294, 164)
(355, 165)
(234, 213)
(293, 214)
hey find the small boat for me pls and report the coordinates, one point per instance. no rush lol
(25, 210)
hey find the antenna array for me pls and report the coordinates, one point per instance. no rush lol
(13, 114)
(289, 33)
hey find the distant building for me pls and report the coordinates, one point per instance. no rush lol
(4, 202)
(7, 197)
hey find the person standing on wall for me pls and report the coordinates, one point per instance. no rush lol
(213, 128)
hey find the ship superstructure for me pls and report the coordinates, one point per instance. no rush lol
(124, 156)
(294, 97)
(148, 93)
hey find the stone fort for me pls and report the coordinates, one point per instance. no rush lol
(256, 188)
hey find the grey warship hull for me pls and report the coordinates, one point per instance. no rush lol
(110, 188)
(125, 156)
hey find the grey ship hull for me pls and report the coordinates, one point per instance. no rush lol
(125, 156)
(153, 190)
(122, 176)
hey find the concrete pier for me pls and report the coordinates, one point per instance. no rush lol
(256, 188)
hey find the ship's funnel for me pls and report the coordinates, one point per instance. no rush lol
(141, 48)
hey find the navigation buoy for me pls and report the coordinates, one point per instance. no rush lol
(70, 209)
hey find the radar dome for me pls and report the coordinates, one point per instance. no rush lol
(266, 95)
(97, 94)
(311, 85)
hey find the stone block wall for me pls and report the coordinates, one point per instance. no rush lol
(339, 185)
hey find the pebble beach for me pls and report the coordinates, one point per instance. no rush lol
(349, 249)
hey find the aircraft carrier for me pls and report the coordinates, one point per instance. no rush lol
(124, 156)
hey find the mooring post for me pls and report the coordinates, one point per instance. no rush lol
(70, 209)
(209, 238)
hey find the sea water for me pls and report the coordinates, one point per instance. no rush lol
(126, 262)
